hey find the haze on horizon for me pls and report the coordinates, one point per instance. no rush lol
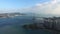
(43, 7)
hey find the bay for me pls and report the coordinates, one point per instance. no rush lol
(14, 26)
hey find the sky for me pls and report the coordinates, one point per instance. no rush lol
(18, 3)
(45, 7)
(13, 5)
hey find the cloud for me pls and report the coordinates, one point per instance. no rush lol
(48, 8)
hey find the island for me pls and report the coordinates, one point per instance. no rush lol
(7, 15)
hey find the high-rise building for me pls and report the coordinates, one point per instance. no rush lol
(53, 23)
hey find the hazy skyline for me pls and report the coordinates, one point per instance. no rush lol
(45, 7)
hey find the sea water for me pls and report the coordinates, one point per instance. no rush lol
(14, 26)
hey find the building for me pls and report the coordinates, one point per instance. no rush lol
(53, 23)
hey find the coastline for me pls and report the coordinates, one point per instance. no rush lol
(8, 15)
